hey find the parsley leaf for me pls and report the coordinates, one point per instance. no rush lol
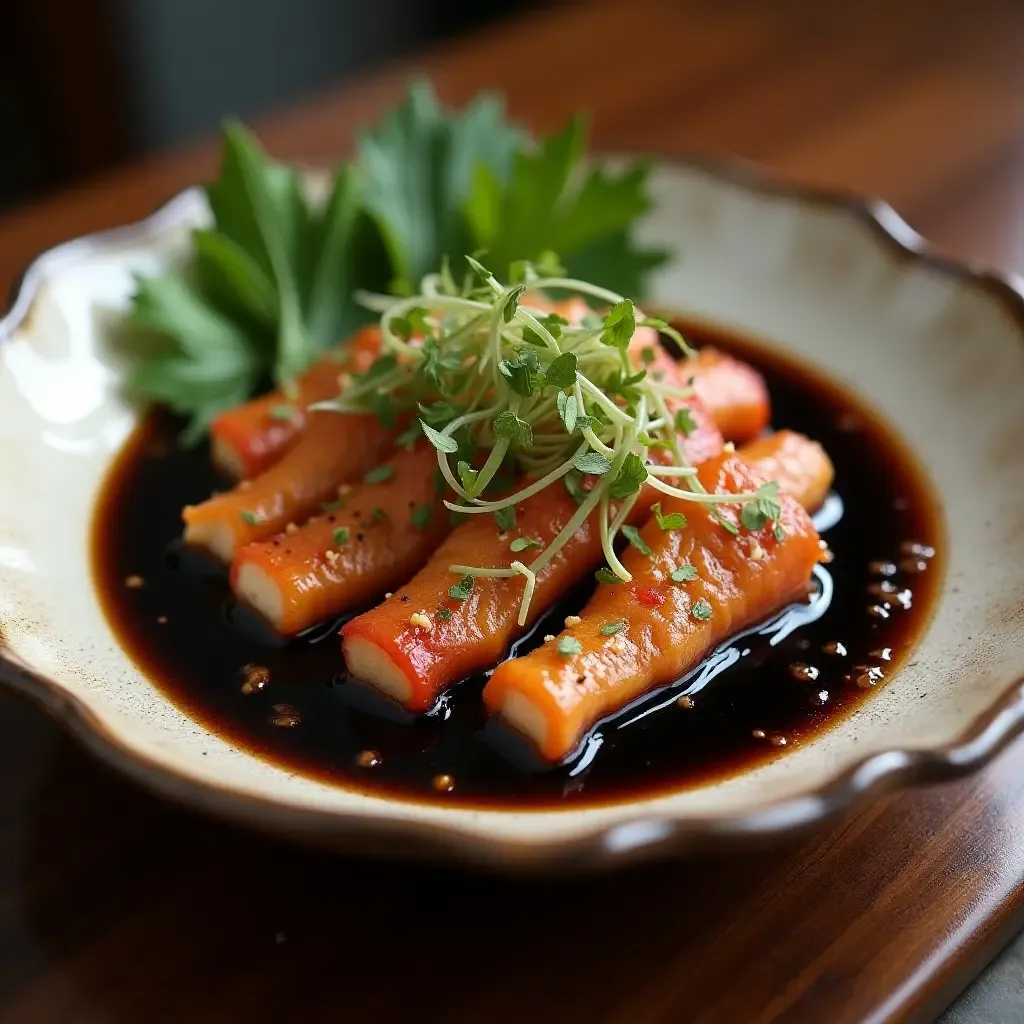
(562, 371)
(417, 171)
(420, 516)
(506, 518)
(552, 203)
(569, 646)
(701, 610)
(340, 535)
(611, 628)
(379, 475)
(522, 543)
(461, 590)
(605, 575)
(684, 573)
(442, 442)
(671, 521)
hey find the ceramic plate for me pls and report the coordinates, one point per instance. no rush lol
(938, 349)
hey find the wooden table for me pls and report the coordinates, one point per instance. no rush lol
(117, 908)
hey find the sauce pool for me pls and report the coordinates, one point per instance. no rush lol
(759, 695)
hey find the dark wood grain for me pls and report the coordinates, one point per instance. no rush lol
(116, 908)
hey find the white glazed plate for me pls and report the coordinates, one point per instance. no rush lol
(937, 348)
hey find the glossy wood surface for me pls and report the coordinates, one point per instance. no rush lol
(117, 908)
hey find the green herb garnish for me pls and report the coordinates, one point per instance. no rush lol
(701, 610)
(671, 521)
(462, 589)
(444, 614)
(605, 575)
(379, 475)
(632, 534)
(505, 518)
(249, 517)
(569, 646)
(684, 574)
(611, 628)
(522, 543)
(420, 516)
(340, 535)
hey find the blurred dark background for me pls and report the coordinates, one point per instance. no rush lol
(86, 84)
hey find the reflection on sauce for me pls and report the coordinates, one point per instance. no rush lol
(761, 694)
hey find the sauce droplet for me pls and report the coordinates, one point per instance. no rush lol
(778, 741)
(869, 675)
(685, 702)
(882, 589)
(803, 673)
(161, 620)
(443, 783)
(913, 565)
(835, 647)
(256, 678)
(133, 582)
(917, 550)
(885, 653)
(819, 698)
(285, 716)
(758, 734)
(882, 568)
(368, 759)
(876, 611)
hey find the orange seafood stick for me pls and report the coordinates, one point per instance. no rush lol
(252, 436)
(734, 392)
(420, 641)
(415, 661)
(698, 586)
(333, 449)
(382, 530)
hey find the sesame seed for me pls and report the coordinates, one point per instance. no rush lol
(572, 620)
(729, 446)
(421, 620)
(756, 551)
(778, 741)
(387, 594)
(332, 558)
(548, 637)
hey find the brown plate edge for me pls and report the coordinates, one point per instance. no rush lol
(618, 845)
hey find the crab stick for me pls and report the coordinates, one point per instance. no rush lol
(420, 641)
(734, 393)
(252, 436)
(379, 534)
(333, 449)
(632, 637)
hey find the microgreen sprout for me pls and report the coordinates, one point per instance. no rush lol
(499, 384)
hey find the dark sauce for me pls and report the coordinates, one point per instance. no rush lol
(761, 694)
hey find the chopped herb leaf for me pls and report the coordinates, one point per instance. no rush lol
(340, 535)
(605, 575)
(512, 302)
(671, 521)
(569, 646)
(684, 574)
(506, 518)
(726, 524)
(331, 506)
(611, 628)
(522, 543)
(574, 485)
(249, 517)
(444, 614)
(779, 532)
(420, 516)
(701, 610)
(647, 355)
(379, 475)
(462, 589)
(632, 534)
(567, 411)
(283, 412)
